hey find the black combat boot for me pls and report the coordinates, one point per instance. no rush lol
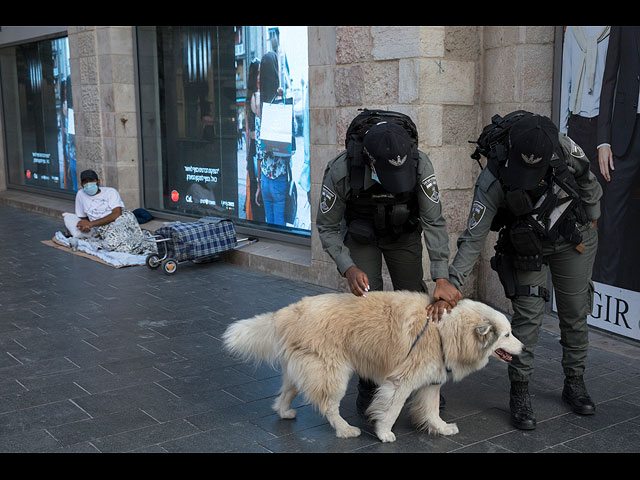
(522, 415)
(575, 394)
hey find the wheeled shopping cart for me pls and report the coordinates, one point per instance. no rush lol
(199, 242)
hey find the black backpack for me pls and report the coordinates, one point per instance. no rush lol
(355, 134)
(492, 142)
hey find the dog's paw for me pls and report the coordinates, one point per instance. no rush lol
(386, 437)
(288, 414)
(448, 429)
(348, 432)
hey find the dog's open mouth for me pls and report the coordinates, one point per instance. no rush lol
(504, 356)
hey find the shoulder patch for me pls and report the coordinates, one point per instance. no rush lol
(477, 212)
(429, 187)
(327, 199)
(576, 150)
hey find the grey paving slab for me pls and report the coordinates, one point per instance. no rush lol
(96, 359)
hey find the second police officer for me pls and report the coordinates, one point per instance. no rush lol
(537, 190)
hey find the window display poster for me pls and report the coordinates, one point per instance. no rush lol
(218, 160)
(599, 71)
(273, 159)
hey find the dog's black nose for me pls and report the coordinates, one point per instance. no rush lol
(524, 349)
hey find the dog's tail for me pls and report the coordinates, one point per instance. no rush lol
(253, 339)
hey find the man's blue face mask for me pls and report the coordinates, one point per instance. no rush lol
(90, 188)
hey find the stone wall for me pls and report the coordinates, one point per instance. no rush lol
(102, 75)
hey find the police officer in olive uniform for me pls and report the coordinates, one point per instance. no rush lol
(398, 200)
(542, 227)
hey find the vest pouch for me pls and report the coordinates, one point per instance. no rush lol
(518, 202)
(399, 214)
(524, 240)
(362, 231)
(528, 247)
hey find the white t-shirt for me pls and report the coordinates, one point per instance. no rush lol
(99, 205)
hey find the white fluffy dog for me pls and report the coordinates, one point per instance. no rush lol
(386, 337)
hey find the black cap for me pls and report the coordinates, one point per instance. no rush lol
(391, 151)
(88, 175)
(532, 142)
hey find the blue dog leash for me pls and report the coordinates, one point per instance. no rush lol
(441, 346)
(418, 336)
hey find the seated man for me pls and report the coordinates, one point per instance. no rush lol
(101, 216)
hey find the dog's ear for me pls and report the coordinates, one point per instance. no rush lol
(483, 328)
(486, 332)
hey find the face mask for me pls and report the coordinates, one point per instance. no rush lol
(90, 188)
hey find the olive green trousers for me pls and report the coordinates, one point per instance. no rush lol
(571, 278)
(403, 257)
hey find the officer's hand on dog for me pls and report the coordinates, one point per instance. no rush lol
(446, 291)
(358, 281)
(436, 310)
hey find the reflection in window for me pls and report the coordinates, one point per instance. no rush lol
(199, 132)
(38, 115)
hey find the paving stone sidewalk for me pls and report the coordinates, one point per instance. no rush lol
(98, 359)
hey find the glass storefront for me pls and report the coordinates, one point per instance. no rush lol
(224, 123)
(38, 115)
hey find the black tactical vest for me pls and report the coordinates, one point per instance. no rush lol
(375, 213)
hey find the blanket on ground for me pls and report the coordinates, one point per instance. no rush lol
(115, 259)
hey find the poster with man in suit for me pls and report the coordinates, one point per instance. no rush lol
(600, 111)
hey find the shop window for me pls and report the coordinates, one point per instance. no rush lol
(201, 139)
(38, 115)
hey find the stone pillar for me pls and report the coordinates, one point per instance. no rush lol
(102, 78)
(448, 97)
(324, 140)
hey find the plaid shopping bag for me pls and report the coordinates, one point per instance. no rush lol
(206, 237)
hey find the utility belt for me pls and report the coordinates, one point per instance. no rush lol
(504, 265)
(385, 221)
(520, 247)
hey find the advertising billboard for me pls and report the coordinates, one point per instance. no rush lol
(229, 112)
(599, 111)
